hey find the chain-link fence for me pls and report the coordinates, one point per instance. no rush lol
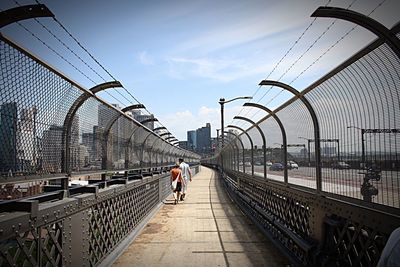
(51, 128)
(355, 131)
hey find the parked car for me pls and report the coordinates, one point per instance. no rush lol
(292, 165)
(276, 167)
(340, 165)
(268, 163)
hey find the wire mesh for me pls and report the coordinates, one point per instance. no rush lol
(51, 128)
(357, 109)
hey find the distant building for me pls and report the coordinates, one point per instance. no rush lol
(51, 149)
(183, 144)
(88, 142)
(16, 191)
(8, 138)
(203, 139)
(26, 140)
(83, 157)
(141, 117)
(115, 136)
(191, 140)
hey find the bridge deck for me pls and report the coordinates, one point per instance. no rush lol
(205, 230)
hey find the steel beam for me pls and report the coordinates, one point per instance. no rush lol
(24, 12)
(360, 19)
(237, 137)
(314, 119)
(284, 140)
(251, 144)
(263, 138)
(68, 121)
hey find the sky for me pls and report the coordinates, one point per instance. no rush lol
(180, 57)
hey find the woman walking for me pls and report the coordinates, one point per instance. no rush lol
(176, 182)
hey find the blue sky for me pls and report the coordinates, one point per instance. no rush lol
(179, 57)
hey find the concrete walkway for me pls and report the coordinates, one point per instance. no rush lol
(205, 230)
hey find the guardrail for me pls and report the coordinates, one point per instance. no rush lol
(53, 131)
(313, 230)
(320, 174)
(339, 136)
(52, 128)
(79, 227)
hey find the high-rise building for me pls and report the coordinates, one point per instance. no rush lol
(51, 149)
(26, 140)
(115, 140)
(88, 142)
(8, 137)
(183, 144)
(191, 140)
(141, 117)
(203, 139)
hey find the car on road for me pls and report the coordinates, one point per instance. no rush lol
(292, 165)
(340, 165)
(276, 167)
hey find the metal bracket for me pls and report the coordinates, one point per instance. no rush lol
(24, 12)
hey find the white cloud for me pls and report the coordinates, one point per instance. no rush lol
(145, 59)
(216, 69)
(237, 31)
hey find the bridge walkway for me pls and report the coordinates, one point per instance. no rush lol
(207, 229)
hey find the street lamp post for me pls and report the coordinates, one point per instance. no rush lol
(309, 153)
(362, 164)
(222, 101)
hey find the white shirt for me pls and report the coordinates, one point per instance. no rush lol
(185, 170)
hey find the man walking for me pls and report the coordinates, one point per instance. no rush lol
(186, 174)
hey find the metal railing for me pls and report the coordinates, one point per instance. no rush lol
(53, 132)
(326, 183)
(52, 127)
(81, 226)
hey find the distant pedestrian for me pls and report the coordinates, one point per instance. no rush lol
(187, 176)
(176, 182)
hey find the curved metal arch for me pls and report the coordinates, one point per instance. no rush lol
(145, 140)
(148, 120)
(241, 142)
(163, 134)
(163, 150)
(66, 136)
(108, 129)
(263, 138)
(284, 139)
(151, 149)
(117, 116)
(314, 119)
(360, 19)
(251, 144)
(128, 142)
(24, 12)
(234, 147)
(159, 128)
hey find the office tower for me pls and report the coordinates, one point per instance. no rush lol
(191, 140)
(203, 138)
(8, 138)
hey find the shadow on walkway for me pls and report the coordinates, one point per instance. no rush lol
(208, 229)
